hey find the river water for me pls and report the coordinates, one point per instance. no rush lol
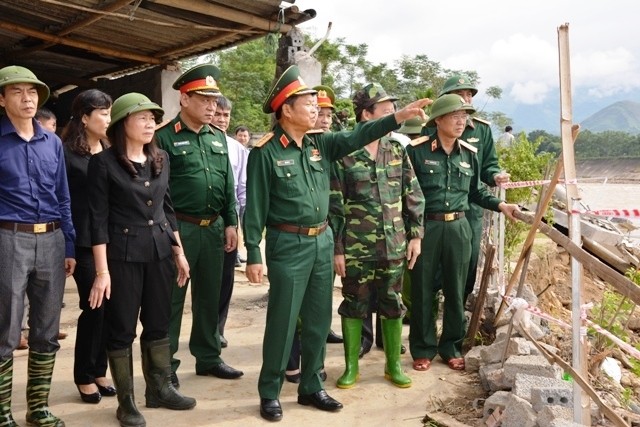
(612, 196)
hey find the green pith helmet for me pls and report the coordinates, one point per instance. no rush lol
(448, 104)
(14, 74)
(132, 103)
(289, 84)
(326, 97)
(458, 82)
(413, 126)
(201, 79)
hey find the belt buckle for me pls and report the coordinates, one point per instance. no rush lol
(313, 231)
(204, 222)
(39, 228)
(450, 216)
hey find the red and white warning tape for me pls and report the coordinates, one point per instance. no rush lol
(522, 184)
(521, 304)
(620, 213)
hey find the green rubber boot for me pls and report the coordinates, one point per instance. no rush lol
(6, 382)
(121, 364)
(392, 339)
(156, 365)
(351, 333)
(40, 370)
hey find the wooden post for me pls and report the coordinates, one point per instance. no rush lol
(581, 403)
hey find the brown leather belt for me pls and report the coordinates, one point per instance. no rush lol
(46, 227)
(307, 231)
(202, 222)
(451, 216)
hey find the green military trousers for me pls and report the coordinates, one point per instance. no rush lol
(204, 249)
(474, 217)
(300, 270)
(446, 246)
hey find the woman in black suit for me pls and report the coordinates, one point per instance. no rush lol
(134, 234)
(84, 136)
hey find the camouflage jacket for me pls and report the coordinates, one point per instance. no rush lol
(375, 206)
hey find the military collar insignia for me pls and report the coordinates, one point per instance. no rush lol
(177, 127)
(284, 140)
(473, 140)
(434, 145)
(315, 155)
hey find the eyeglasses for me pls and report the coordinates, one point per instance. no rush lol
(459, 116)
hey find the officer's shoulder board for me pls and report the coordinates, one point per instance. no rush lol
(163, 124)
(267, 136)
(419, 140)
(212, 126)
(314, 131)
(478, 119)
(468, 146)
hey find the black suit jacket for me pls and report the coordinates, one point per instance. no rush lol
(133, 216)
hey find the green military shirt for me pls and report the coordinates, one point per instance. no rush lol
(478, 133)
(449, 181)
(201, 179)
(287, 184)
(375, 206)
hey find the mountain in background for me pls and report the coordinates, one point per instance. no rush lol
(623, 116)
(546, 116)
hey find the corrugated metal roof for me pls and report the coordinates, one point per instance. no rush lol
(71, 41)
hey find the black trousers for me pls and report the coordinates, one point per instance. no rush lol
(139, 289)
(226, 288)
(90, 360)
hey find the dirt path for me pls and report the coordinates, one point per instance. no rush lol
(373, 402)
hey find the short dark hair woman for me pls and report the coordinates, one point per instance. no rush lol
(134, 234)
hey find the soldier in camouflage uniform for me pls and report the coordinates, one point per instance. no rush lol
(477, 132)
(376, 212)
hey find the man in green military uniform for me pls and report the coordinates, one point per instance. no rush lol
(376, 211)
(288, 193)
(448, 171)
(477, 132)
(202, 190)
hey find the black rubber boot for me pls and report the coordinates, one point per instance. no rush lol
(121, 364)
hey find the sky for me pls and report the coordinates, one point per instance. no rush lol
(511, 44)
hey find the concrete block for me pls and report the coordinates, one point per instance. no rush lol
(554, 413)
(552, 395)
(525, 383)
(518, 413)
(501, 333)
(531, 365)
(533, 350)
(499, 399)
(493, 353)
(473, 359)
(492, 377)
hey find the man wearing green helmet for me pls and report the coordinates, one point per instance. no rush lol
(477, 132)
(447, 170)
(36, 240)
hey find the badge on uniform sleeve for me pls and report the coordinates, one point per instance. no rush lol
(315, 155)
(465, 165)
(472, 140)
(181, 143)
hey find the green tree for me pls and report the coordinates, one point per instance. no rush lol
(547, 143)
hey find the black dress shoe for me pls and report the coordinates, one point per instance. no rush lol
(364, 350)
(175, 381)
(223, 342)
(270, 409)
(334, 338)
(292, 378)
(221, 370)
(321, 400)
(90, 397)
(107, 390)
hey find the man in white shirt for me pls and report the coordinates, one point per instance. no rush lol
(238, 156)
